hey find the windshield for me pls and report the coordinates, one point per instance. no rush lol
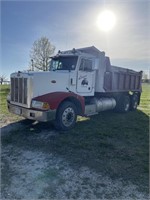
(63, 63)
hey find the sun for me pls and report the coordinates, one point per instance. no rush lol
(106, 20)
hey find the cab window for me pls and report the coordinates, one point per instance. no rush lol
(63, 63)
(86, 65)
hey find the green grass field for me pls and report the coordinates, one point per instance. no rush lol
(111, 143)
(145, 99)
(4, 90)
(4, 114)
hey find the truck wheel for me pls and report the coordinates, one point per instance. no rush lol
(66, 116)
(123, 105)
(134, 102)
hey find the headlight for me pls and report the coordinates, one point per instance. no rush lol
(40, 105)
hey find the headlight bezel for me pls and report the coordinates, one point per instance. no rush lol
(40, 105)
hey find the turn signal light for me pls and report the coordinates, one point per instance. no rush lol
(46, 106)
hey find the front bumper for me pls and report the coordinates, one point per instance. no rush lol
(42, 116)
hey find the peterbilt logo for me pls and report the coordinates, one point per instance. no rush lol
(53, 81)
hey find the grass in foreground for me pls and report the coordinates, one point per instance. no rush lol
(113, 144)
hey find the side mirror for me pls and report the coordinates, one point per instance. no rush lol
(96, 64)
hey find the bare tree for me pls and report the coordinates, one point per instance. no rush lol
(40, 54)
(3, 78)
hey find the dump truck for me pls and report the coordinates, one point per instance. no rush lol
(80, 82)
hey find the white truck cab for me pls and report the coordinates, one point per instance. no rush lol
(78, 69)
(79, 82)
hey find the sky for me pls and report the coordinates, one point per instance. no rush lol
(72, 24)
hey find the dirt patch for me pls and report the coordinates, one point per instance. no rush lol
(32, 174)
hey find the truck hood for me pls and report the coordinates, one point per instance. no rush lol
(27, 85)
(46, 82)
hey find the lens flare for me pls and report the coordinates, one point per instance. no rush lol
(106, 20)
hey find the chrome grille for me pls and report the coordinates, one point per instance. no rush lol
(19, 90)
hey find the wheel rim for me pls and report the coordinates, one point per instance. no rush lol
(127, 104)
(135, 104)
(68, 116)
(127, 107)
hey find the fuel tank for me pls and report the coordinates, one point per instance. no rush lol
(104, 104)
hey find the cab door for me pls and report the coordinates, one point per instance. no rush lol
(85, 77)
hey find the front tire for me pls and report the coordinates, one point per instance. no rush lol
(66, 116)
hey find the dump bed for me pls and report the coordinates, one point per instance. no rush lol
(117, 79)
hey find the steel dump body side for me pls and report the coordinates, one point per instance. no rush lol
(119, 79)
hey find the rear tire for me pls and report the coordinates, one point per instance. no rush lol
(134, 102)
(66, 116)
(123, 104)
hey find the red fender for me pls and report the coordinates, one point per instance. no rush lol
(55, 98)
